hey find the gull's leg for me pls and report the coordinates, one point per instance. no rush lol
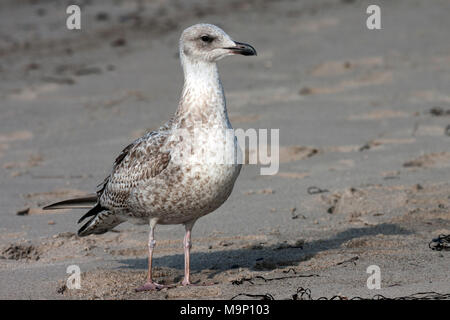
(150, 285)
(187, 248)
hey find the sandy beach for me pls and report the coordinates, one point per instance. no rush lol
(363, 117)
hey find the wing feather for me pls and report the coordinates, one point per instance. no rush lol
(139, 161)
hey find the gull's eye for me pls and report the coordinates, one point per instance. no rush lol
(206, 39)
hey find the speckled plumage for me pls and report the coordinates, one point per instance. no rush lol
(167, 176)
(150, 179)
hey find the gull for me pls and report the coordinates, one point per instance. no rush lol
(167, 176)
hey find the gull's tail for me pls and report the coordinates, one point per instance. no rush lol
(77, 203)
(102, 219)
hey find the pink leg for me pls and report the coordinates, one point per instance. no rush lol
(150, 284)
(187, 249)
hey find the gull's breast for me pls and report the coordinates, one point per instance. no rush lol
(209, 160)
(200, 177)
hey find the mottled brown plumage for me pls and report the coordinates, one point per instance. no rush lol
(167, 176)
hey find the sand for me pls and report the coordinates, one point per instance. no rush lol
(362, 117)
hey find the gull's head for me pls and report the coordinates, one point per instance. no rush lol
(209, 43)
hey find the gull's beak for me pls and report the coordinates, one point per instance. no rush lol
(242, 48)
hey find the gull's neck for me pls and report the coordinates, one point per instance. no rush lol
(202, 99)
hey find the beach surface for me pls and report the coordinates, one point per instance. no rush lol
(364, 127)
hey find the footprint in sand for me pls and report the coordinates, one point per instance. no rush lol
(430, 160)
(286, 153)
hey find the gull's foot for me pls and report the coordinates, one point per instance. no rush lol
(150, 286)
(186, 282)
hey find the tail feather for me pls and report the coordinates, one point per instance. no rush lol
(101, 219)
(93, 212)
(100, 223)
(77, 203)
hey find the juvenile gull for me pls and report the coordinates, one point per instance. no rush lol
(166, 176)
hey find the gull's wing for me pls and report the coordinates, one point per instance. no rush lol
(141, 160)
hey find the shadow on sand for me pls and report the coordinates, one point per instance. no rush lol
(277, 254)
